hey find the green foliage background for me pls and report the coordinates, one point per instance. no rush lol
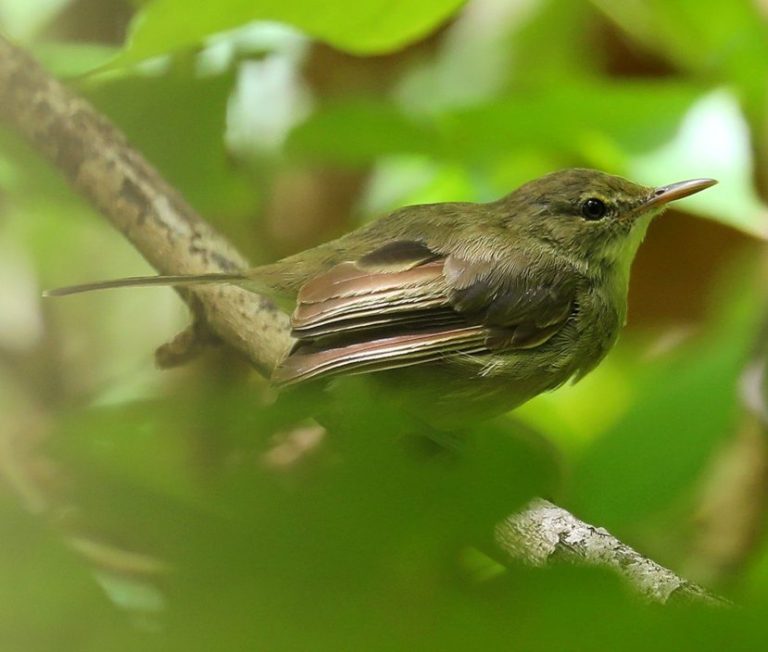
(186, 510)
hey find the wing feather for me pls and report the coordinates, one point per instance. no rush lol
(403, 304)
(380, 354)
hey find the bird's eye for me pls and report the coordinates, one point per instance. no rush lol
(593, 209)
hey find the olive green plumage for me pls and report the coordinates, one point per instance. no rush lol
(467, 308)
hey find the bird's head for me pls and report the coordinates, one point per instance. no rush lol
(592, 215)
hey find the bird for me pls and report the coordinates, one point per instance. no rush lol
(470, 308)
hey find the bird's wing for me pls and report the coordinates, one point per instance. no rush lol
(404, 304)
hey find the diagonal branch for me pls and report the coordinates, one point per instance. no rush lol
(544, 532)
(131, 194)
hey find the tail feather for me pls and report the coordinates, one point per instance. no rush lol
(148, 281)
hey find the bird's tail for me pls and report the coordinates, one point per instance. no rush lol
(146, 281)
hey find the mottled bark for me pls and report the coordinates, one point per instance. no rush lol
(544, 533)
(99, 163)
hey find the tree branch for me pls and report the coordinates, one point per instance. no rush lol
(544, 533)
(99, 163)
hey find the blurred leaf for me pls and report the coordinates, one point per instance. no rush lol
(568, 416)
(139, 444)
(524, 609)
(23, 20)
(357, 132)
(713, 141)
(650, 132)
(683, 409)
(635, 116)
(372, 27)
(44, 591)
(71, 59)
(369, 516)
(556, 45)
(498, 46)
(177, 121)
(727, 41)
(570, 118)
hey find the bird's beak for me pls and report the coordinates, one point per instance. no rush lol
(665, 194)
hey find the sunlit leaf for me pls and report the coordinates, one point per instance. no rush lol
(713, 141)
(379, 26)
(71, 59)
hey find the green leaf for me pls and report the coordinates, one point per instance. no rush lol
(70, 58)
(356, 132)
(713, 141)
(724, 41)
(372, 27)
(178, 121)
(683, 409)
(631, 117)
(572, 118)
(45, 590)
